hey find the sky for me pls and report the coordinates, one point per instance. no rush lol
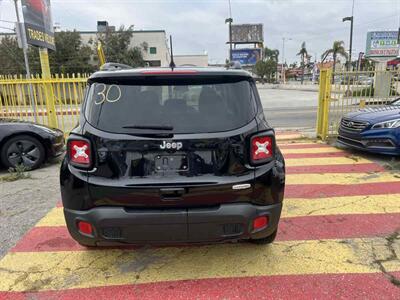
(199, 25)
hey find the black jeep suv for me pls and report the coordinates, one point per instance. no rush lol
(172, 156)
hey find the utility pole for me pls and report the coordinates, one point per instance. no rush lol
(230, 20)
(283, 59)
(351, 19)
(23, 41)
(24, 45)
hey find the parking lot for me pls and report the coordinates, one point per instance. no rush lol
(338, 238)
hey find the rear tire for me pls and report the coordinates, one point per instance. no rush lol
(265, 241)
(23, 150)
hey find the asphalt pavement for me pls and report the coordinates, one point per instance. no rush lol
(289, 109)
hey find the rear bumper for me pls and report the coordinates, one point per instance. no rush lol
(118, 225)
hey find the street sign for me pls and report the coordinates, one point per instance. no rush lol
(38, 23)
(382, 44)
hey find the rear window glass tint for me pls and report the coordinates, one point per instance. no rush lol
(187, 107)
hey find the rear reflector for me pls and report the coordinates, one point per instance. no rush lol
(260, 222)
(85, 227)
(79, 152)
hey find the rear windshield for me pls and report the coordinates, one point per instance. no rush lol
(186, 106)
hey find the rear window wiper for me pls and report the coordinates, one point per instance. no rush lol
(151, 127)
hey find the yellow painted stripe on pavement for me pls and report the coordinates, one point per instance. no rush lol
(292, 162)
(376, 204)
(286, 137)
(300, 142)
(83, 269)
(335, 178)
(295, 207)
(312, 150)
(54, 217)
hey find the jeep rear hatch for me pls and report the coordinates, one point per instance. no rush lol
(161, 140)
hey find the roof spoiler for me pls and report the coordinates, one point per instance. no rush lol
(114, 67)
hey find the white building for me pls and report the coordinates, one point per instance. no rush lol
(154, 46)
(153, 43)
(200, 60)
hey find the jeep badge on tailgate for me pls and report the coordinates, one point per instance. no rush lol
(173, 145)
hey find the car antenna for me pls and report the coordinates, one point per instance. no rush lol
(172, 63)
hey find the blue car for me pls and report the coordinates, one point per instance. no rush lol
(374, 130)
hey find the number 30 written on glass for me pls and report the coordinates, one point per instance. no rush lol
(104, 94)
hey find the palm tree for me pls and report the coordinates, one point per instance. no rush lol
(271, 54)
(303, 54)
(337, 49)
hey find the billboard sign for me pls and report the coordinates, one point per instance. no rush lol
(38, 23)
(247, 33)
(382, 44)
(246, 57)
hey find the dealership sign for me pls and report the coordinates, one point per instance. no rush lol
(382, 44)
(38, 23)
(246, 56)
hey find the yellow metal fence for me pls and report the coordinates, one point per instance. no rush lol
(344, 92)
(54, 102)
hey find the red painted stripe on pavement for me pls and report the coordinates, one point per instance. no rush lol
(345, 168)
(302, 146)
(337, 190)
(337, 226)
(315, 155)
(331, 286)
(56, 238)
(297, 228)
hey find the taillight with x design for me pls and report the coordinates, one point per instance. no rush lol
(79, 152)
(262, 148)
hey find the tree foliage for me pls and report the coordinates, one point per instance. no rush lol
(11, 57)
(117, 47)
(271, 54)
(337, 49)
(303, 55)
(71, 55)
(267, 67)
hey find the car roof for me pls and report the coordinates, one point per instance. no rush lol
(180, 71)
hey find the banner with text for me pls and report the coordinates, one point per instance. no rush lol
(38, 23)
(382, 44)
(246, 56)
